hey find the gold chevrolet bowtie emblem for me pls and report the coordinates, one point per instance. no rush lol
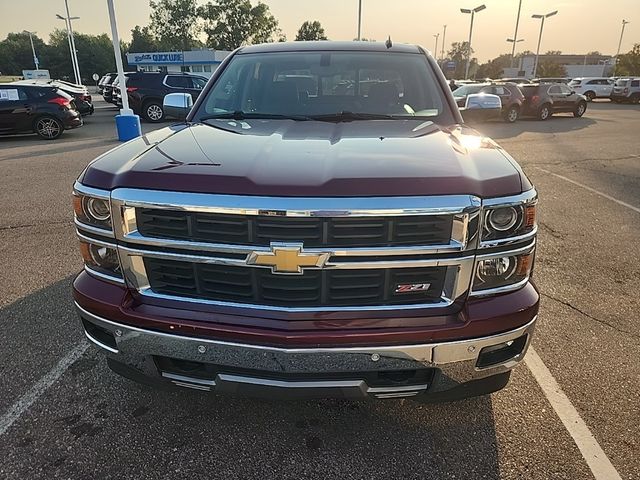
(287, 258)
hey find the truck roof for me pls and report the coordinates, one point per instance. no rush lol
(326, 45)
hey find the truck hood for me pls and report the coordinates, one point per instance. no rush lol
(310, 158)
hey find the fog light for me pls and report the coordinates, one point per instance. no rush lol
(101, 258)
(496, 267)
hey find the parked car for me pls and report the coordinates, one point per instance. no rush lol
(509, 93)
(551, 80)
(592, 87)
(107, 87)
(80, 93)
(146, 91)
(283, 244)
(516, 80)
(626, 90)
(45, 110)
(103, 80)
(545, 99)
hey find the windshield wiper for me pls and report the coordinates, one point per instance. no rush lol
(346, 116)
(240, 115)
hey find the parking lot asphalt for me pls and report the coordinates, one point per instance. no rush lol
(84, 422)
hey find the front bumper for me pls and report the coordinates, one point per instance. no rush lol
(342, 372)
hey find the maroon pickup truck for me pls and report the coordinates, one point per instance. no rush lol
(322, 224)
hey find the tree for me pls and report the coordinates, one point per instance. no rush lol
(95, 55)
(629, 63)
(494, 68)
(142, 40)
(311, 31)
(458, 53)
(553, 52)
(16, 54)
(175, 23)
(548, 68)
(230, 24)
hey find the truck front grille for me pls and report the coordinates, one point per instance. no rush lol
(259, 286)
(261, 230)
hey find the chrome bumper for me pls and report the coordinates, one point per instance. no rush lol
(455, 361)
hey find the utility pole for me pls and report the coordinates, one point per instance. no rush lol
(33, 49)
(359, 20)
(472, 12)
(615, 65)
(435, 51)
(542, 18)
(515, 35)
(444, 36)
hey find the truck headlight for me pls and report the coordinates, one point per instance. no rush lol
(92, 210)
(502, 272)
(508, 219)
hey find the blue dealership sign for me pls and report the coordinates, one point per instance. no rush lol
(160, 57)
(451, 65)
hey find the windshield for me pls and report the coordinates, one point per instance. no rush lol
(305, 85)
(465, 90)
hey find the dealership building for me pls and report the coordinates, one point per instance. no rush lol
(203, 62)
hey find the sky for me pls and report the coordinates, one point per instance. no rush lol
(581, 26)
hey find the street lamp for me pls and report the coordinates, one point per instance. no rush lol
(513, 49)
(444, 36)
(615, 65)
(435, 51)
(33, 49)
(359, 19)
(542, 19)
(515, 35)
(72, 42)
(472, 12)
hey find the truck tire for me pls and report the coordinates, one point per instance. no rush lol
(544, 112)
(48, 127)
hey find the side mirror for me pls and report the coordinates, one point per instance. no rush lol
(177, 105)
(481, 107)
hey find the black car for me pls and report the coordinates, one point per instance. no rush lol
(146, 91)
(103, 80)
(107, 87)
(45, 110)
(80, 93)
(545, 99)
(509, 93)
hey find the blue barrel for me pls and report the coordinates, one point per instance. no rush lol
(128, 127)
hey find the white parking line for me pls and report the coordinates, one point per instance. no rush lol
(593, 454)
(593, 190)
(41, 386)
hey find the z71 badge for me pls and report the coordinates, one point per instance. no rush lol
(412, 287)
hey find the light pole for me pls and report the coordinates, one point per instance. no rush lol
(359, 20)
(71, 49)
(435, 51)
(33, 49)
(615, 65)
(513, 49)
(542, 19)
(472, 12)
(515, 35)
(444, 36)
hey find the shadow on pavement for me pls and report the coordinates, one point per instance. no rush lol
(93, 421)
(559, 123)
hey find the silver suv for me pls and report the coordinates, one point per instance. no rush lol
(626, 90)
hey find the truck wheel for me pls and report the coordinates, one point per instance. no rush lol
(512, 114)
(590, 96)
(544, 112)
(48, 128)
(153, 111)
(580, 109)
